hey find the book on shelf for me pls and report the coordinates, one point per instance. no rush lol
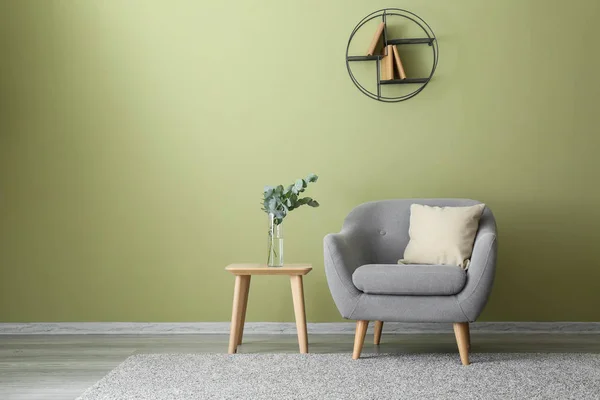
(375, 39)
(399, 66)
(387, 64)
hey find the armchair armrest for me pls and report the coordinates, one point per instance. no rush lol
(480, 275)
(342, 257)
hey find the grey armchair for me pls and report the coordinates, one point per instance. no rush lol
(366, 288)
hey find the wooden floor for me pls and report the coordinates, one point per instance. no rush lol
(63, 366)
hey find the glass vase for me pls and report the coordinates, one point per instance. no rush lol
(275, 244)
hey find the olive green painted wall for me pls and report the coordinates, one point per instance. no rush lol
(136, 137)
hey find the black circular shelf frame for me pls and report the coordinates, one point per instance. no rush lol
(430, 39)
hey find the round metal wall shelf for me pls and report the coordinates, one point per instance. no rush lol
(428, 38)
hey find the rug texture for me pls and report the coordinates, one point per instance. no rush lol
(337, 376)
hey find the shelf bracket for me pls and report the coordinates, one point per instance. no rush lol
(378, 80)
(384, 18)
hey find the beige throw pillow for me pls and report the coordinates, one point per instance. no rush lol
(442, 235)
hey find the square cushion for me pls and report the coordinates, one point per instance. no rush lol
(417, 280)
(442, 235)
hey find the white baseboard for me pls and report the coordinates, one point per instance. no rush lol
(157, 328)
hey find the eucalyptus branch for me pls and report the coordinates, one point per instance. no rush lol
(280, 201)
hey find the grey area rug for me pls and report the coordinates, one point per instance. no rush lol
(337, 376)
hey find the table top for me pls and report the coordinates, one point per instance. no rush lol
(262, 269)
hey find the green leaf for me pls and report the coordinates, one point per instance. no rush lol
(312, 178)
(299, 185)
(268, 191)
(313, 203)
(304, 200)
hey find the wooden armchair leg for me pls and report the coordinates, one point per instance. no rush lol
(378, 329)
(461, 331)
(469, 335)
(359, 338)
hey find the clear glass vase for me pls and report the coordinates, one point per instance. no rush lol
(275, 243)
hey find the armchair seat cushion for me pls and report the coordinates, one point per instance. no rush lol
(410, 279)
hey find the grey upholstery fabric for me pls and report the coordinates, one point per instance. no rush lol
(377, 233)
(411, 280)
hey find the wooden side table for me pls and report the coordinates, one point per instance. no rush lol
(243, 273)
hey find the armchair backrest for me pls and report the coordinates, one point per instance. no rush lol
(382, 226)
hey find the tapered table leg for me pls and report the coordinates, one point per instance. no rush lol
(236, 313)
(245, 290)
(298, 297)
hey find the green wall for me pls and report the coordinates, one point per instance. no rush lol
(136, 137)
